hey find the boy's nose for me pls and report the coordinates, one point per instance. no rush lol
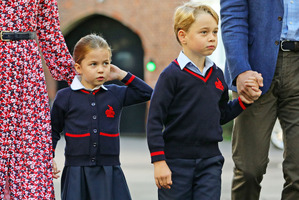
(212, 37)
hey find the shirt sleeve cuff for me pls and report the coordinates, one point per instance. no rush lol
(157, 156)
(242, 104)
(128, 78)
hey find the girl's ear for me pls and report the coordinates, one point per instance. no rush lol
(182, 36)
(78, 68)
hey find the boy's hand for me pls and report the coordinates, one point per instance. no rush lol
(162, 175)
(55, 170)
(116, 73)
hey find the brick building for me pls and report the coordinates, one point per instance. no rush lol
(138, 31)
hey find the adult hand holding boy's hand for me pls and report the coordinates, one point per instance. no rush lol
(162, 174)
(253, 87)
(246, 94)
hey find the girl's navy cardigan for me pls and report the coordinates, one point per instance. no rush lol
(186, 113)
(90, 120)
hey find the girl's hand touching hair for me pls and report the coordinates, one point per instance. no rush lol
(116, 73)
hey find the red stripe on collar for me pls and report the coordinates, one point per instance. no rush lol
(85, 91)
(205, 79)
(88, 92)
(176, 62)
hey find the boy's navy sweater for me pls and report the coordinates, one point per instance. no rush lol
(186, 113)
(90, 120)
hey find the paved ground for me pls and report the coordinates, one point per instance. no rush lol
(139, 172)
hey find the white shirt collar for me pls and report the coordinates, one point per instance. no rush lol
(183, 60)
(77, 85)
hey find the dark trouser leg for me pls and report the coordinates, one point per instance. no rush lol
(207, 178)
(253, 129)
(194, 179)
(182, 180)
(288, 114)
(251, 140)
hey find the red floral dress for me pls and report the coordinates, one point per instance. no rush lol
(25, 132)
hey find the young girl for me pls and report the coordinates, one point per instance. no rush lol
(88, 113)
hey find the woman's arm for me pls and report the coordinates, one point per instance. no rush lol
(52, 43)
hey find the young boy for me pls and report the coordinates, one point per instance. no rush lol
(188, 106)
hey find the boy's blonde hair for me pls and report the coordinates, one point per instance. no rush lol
(186, 14)
(87, 43)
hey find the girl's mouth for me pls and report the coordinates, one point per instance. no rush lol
(101, 78)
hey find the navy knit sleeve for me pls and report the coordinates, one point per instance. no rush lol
(230, 109)
(161, 99)
(58, 111)
(137, 91)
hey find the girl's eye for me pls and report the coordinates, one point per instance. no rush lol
(204, 32)
(215, 32)
(106, 63)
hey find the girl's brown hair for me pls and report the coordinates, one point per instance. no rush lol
(87, 43)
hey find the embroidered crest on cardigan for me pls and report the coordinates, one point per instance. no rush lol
(110, 112)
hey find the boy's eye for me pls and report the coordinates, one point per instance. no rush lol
(204, 32)
(106, 63)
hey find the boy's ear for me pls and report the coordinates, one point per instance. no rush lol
(182, 36)
(78, 68)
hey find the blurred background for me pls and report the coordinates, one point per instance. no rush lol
(143, 42)
(141, 36)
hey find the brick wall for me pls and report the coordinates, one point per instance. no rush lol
(151, 20)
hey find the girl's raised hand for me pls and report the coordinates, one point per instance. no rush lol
(116, 73)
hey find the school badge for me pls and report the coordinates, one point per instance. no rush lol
(110, 112)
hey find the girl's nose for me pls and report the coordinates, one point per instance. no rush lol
(100, 69)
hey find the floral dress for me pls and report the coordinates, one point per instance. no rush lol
(25, 131)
